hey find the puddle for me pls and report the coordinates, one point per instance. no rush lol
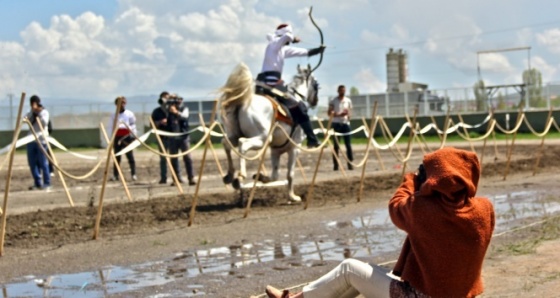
(370, 235)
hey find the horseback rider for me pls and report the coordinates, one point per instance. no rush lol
(277, 50)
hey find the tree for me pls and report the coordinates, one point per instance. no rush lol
(354, 91)
(532, 79)
(480, 95)
(501, 102)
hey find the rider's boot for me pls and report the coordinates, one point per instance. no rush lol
(312, 141)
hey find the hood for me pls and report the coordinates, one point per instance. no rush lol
(451, 172)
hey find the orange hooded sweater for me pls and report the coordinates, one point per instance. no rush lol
(449, 229)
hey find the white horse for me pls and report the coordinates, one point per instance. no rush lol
(248, 118)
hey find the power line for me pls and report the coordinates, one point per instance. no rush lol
(448, 38)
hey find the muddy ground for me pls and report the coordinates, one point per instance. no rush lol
(43, 237)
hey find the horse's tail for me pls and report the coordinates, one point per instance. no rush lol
(239, 88)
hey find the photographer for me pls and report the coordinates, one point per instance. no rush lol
(159, 117)
(448, 232)
(178, 122)
(35, 157)
(124, 136)
(172, 116)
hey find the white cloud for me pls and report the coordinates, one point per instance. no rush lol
(169, 44)
(550, 39)
(367, 82)
(495, 63)
(548, 71)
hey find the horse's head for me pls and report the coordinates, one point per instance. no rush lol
(306, 86)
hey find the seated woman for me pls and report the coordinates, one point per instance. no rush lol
(448, 232)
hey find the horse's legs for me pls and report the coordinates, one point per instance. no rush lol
(292, 157)
(228, 178)
(275, 160)
(247, 144)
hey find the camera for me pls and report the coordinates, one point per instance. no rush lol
(174, 100)
(421, 175)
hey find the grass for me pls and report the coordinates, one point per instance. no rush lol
(357, 141)
(549, 230)
(457, 138)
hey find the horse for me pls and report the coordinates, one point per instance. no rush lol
(248, 117)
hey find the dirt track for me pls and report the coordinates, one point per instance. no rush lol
(56, 239)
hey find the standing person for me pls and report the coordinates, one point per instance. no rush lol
(159, 117)
(448, 232)
(277, 50)
(35, 157)
(178, 122)
(341, 109)
(126, 130)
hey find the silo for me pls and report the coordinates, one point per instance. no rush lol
(393, 76)
(403, 66)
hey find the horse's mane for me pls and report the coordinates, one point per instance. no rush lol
(239, 88)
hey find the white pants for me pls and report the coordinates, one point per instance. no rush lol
(349, 279)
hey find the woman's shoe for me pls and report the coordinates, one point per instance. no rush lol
(273, 292)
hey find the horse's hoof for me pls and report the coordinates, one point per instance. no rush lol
(295, 199)
(262, 178)
(227, 178)
(236, 183)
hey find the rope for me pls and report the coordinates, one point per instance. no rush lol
(479, 138)
(514, 130)
(83, 177)
(194, 147)
(545, 131)
(241, 155)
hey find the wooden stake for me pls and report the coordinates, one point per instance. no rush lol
(379, 160)
(331, 148)
(436, 126)
(387, 133)
(370, 136)
(301, 170)
(9, 174)
(217, 162)
(540, 152)
(114, 158)
(445, 128)
(485, 139)
(410, 138)
(168, 159)
(309, 196)
(208, 143)
(510, 151)
(106, 172)
(53, 157)
(261, 163)
(466, 133)
(417, 138)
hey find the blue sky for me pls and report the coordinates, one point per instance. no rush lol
(95, 50)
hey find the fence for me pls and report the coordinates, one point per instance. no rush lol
(431, 102)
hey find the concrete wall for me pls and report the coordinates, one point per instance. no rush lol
(84, 137)
(91, 137)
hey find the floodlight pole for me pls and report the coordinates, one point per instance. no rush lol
(528, 49)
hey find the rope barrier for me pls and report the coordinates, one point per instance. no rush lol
(64, 172)
(514, 130)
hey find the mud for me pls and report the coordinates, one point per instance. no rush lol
(55, 240)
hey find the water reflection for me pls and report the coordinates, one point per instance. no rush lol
(367, 236)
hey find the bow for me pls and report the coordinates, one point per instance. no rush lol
(320, 33)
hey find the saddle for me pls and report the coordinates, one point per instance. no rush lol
(281, 113)
(276, 98)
